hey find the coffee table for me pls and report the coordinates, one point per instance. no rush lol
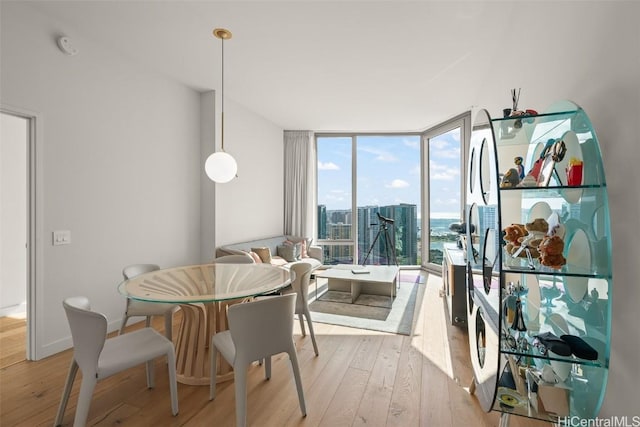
(356, 279)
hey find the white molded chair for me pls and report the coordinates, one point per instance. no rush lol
(257, 330)
(99, 357)
(147, 309)
(233, 259)
(300, 285)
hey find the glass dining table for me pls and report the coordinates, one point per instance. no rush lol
(204, 292)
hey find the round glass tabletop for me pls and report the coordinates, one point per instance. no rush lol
(205, 283)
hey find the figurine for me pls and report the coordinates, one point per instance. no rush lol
(510, 179)
(520, 167)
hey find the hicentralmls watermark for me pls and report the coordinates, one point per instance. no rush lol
(623, 421)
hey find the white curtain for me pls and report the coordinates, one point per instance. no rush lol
(299, 183)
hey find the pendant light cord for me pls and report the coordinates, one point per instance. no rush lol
(222, 97)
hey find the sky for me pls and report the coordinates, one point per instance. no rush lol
(388, 172)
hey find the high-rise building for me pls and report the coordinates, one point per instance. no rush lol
(402, 231)
(322, 221)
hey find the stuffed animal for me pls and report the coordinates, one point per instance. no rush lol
(537, 229)
(551, 249)
(512, 236)
(514, 232)
(510, 179)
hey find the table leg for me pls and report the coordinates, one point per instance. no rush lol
(356, 289)
(199, 321)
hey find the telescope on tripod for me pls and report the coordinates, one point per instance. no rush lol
(383, 229)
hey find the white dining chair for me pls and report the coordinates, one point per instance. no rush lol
(136, 308)
(257, 330)
(99, 357)
(300, 285)
(233, 259)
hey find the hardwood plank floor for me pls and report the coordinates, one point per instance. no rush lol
(12, 340)
(360, 378)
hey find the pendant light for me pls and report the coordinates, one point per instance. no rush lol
(220, 166)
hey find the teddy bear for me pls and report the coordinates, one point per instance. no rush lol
(536, 230)
(512, 235)
(550, 249)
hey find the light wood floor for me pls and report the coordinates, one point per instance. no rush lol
(360, 378)
(12, 341)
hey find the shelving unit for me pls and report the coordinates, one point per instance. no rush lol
(508, 359)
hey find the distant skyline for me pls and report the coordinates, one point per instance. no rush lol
(389, 172)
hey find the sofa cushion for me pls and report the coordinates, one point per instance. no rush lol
(264, 253)
(279, 261)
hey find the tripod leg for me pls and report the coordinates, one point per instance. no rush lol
(371, 248)
(393, 249)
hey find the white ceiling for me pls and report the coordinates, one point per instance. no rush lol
(318, 65)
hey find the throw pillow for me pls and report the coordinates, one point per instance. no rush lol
(297, 248)
(263, 253)
(256, 257)
(305, 244)
(287, 252)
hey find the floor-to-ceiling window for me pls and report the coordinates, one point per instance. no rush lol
(335, 166)
(391, 197)
(377, 177)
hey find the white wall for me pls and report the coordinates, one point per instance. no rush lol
(120, 160)
(14, 141)
(252, 205)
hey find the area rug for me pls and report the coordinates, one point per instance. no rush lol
(374, 312)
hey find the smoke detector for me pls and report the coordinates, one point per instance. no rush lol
(65, 45)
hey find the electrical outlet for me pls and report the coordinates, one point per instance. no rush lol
(61, 237)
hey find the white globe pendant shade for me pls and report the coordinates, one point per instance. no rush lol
(221, 167)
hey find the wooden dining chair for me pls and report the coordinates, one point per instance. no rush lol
(147, 309)
(99, 357)
(257, 330)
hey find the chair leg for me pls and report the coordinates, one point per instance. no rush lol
(173, 383)
(313, 335)
(212, 370)
(151, 374)
(124, 324)
(71, 376)
(147, 323)
(304, 334)
(240, 383)
(293, 357)
(168, 326)
(267, 367)
(84, 400)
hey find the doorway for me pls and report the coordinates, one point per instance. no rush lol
(15, 143)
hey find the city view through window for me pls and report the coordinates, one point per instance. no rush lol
(387, 183)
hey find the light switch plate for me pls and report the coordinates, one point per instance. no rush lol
(61, 237)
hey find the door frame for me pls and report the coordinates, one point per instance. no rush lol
(34, 225)
(462, 121)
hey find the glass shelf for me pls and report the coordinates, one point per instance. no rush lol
(553, 190)
(521, 265)
(533, 354)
